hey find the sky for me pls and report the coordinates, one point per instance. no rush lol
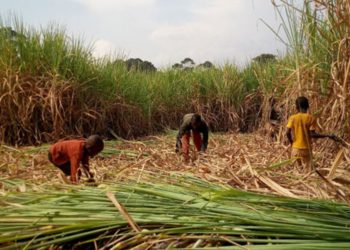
(163, 32)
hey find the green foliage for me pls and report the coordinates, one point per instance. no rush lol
(139, 65)
(102, 88)
(206, 65)
(179, 208)
(264, 58)
(131, 95)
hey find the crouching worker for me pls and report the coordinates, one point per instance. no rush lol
(300, 130)
(67, 156)
(192, 123)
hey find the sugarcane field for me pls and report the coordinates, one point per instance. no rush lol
(112, 152)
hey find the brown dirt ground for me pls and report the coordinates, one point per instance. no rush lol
(245, 161)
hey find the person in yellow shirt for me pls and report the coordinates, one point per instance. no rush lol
(300, 129)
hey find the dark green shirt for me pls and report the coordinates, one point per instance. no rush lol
(187, 127)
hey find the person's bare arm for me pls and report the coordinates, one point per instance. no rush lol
(86, 167)
(182, 130)
(289, 135)
(205, 132)
(74, 170)
(316, 135)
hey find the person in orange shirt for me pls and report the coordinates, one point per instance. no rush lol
(300, 129)
(67, 156)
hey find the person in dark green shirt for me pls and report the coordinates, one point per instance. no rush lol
(192, 123)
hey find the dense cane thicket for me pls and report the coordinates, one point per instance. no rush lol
(52, 86)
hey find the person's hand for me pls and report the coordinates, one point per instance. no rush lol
(91, 180)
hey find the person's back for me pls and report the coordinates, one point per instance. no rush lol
(68, 155)
(64, 151)
(301, 124)
(300, 129)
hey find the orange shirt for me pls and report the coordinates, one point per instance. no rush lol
(69, 151)
(301, 125)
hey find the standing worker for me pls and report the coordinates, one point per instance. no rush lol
(192, 123)
(300, 129)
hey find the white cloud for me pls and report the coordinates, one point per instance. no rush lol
(163, 31)
(219, 30)
(103, 48)
(115, 5)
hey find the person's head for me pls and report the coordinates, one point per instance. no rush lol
(196, 121)
(94, 145)
(302, 103)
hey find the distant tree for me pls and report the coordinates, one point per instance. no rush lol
(139, 65)
(264, 58)
(8, 31)
(187, 63)
(187, 60)
(133, 63)
(148, 66)
(206, 64)
(177, 66)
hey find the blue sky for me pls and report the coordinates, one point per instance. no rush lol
(161, 31)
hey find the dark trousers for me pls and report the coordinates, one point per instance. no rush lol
(64, 167)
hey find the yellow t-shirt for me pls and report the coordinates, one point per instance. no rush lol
(301, 125)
